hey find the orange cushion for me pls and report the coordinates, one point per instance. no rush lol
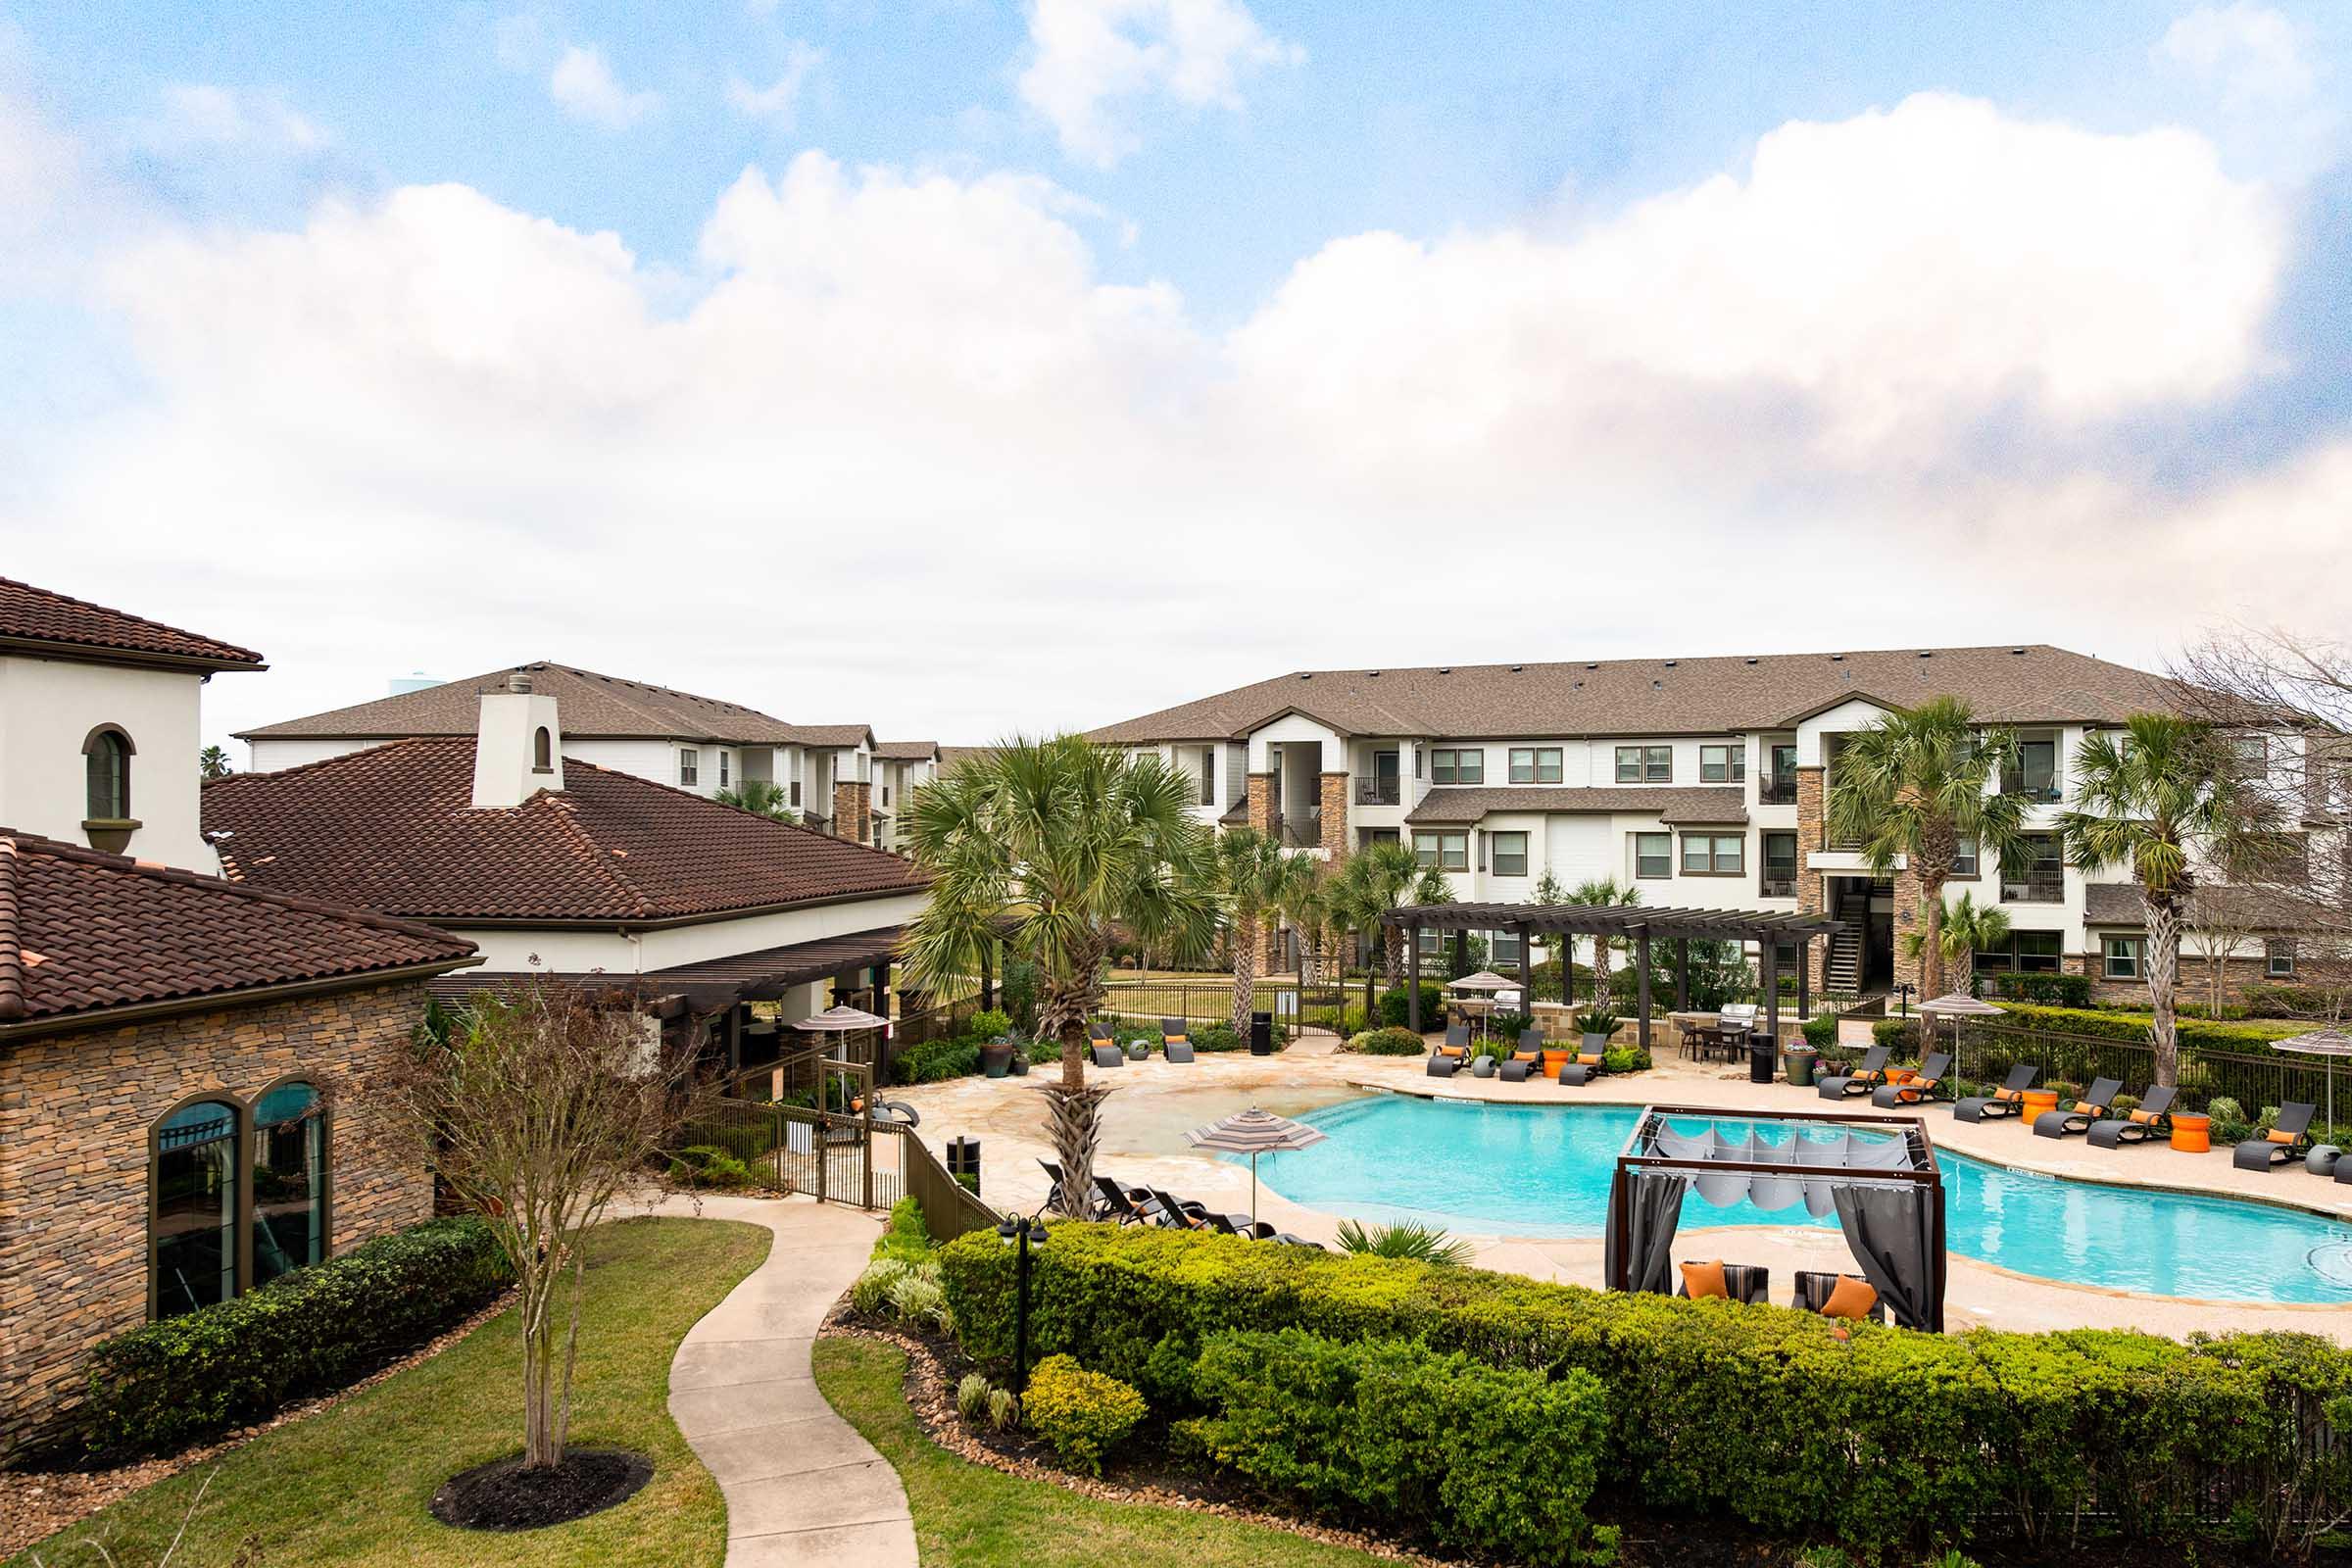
(1453, 1050)
(2008, 1093)
(2090, 1110)
(1526, 1055)
(2143, 1117)
(1852, 1298)
(2278, 1137)
(1176, 1039)
(1705, 1279)
(1587, 1058)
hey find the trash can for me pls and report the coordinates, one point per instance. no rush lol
(1801, 1061)
(1262, 1034)
(1763, 1056)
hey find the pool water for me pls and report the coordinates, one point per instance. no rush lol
(1528, 1170)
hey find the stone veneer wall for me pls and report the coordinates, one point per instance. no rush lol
(1335, 815)
(851, 818)
(1812, 835)
(1261, 816)
(76, 1113)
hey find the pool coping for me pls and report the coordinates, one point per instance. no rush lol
(1433, 1093)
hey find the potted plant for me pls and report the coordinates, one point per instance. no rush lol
(996, 1056)
(1596, 1027)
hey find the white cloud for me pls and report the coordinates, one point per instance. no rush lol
(1090, 57)
(587, 90)
(907, 453)
(779, 101)
(2250, 52)
(205, 116)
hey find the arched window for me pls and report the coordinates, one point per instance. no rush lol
(543, 750)
(194, 1234)
(106, 755)
(289, 1180)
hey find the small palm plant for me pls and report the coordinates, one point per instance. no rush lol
(1969, 928)
(1256, 879)
(762, 797)
(1603, 892)
(1424, 1244)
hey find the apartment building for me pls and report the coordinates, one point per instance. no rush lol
(1699, 781)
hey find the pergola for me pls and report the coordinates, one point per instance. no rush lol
(1635, 923)
(1878, 1173)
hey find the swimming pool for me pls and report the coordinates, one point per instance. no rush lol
(1532, 1170)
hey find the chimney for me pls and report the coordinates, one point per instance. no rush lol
(518, 747)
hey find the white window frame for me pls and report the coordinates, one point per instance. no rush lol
(1730, 765)
(1537, 760)
(1496, 851)
(690, 767)
(2123, 957)
(1640, 875)
(2273, 949)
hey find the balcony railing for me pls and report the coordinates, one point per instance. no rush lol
(1304, 831)
(2044, 793)
(2034, 887)
(1378, 792)
(1776, 885)
(1775, 792)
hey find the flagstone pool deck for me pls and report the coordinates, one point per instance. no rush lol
(1145, 1122)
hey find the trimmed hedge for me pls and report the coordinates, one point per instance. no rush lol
(1396, 1002)
(2049, 990)
(162, 1387)
(1388, 1042)
(2102, 1024)
(1486, 1456)
(1757, 1413)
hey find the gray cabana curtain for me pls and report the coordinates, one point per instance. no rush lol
(1892, 1232)
(1651, 1204)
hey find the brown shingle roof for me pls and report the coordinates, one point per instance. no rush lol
(1685, 804)
(2253, 908)
(81, 932)
(834, 735)
(906, 750)
(35, 616)
(1660, 697)
(593, 706)
(394, 828)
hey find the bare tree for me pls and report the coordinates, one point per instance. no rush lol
(2216, 928)
(539, 1107)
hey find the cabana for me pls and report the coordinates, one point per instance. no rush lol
(1635, 925)
(1877, 1173)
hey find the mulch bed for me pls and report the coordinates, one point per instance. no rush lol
(35, 1504)
(505, 1495)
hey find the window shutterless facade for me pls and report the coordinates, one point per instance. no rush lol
(1503, 949)
(1653, 855)
(1779, 787)
(237, 1196)
(690, 766)
(1644, 765)
(1536, 765)
(1450, 764)
(1723, 764)
(2279, 958)
(1964, 857)
(1447, 852)
(1510, 853)
(1779, 866)
(2025, 953)
(2037, 769)
(105, 769)
(1714, 854)
(2123, 957)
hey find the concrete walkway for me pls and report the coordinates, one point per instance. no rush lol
(802, 1486)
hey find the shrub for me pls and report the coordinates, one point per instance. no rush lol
(1757, 1414)
(162, 1386)
(2222, 1109)
(870, 1291)
(988, 1024)
(2049, 990)
(1896, 1034)
(1428, 1243)
(971, 1397)
(935, 1061)
(1625, 1059)
(2118, 1024)
(1491, 1458)
(709, 1165)
(1396, 1002)
(1218, 1037)
(1082, 1414)
(1004, 1410)
(1388, 1042)
(1821, 1031)
(906, 1239)
(1597, 1023)
(918, 1299)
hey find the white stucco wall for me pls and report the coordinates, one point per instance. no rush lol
(271, 756)
(48, 708)
(565, 951)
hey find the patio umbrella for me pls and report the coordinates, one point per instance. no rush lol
(2328, 1042)
(1485, 980)
(1254, 1132)
(1956, 1007)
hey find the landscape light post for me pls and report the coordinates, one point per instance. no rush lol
(1021, 1232)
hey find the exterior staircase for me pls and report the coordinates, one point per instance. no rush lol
(1841, 971)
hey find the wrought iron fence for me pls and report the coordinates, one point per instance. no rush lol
(1196, 1002)
(830, 1155)
(2255, 1080)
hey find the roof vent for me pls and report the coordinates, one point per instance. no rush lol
(1579, 686)
(1670, 664)
(1591, 666)
(1308, 675)
(1836, 659)
(518, 682)
(1444, 669)
(1516, 669)
(2020, 652)
(1926, 652)
(1657, 685)
(1751, 660)
(1372, 674)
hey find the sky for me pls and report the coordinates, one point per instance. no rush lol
(963, 368)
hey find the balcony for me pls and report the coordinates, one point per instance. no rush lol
(2034, 887)
(1778, 884)
(1300, 831)
(2043, 792)
(1378, 792)
(1777, 791)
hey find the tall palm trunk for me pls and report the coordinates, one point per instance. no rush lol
(1075, 1119)
(1931, 948)
(2164, 968)
(1600, 973)
(1392, 951)
(1245, 974)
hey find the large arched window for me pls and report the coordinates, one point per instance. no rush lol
(289, 1180)
(195, 1227)
(107, 756)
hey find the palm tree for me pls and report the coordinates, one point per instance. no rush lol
(1910, 788)
(1051, 845)
(1605, 892)
(1388, 876)
(760, 797)
(1969, 928)
(2162, 799)
(213, 762)
(1255, 878)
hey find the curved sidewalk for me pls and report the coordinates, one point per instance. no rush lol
(801, 1486)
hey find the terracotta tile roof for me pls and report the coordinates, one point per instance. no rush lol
(1614, 697)
(36, 615)
(80, 932)
(593, 707)
(1668, 802)
(393, 828)
(906, 750)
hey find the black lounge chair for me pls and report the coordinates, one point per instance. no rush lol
(1813, 1290)
(1862, 1079)
(1583, 1067)
(2078, 1117)
(1129, 1206)
(1096, 1209)
(1182, 1213)
(1451, 1056)
(2007, 1100)
(1104, 1046)
(2343, 1171)
(2287, 1140)
(1742, 1282)
(1927, 1084)
(2152, 1119)
(1525, 1060)
(1175, 1043)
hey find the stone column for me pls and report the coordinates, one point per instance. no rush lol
(1907, 919)
(851, 818)
(1812, 835)
(1335, 815)
(1266, 815)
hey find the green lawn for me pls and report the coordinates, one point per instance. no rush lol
(970, 1516)
(350, 1485)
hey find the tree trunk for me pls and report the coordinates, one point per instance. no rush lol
(1600, 973)
(1931, 948)
(1392, 951)
(2164, 968)
(1074, 1121)
(1245, 976)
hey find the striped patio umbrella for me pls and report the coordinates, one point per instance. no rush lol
(2328, 1042)
(1254, 1132)
(1957, 1005)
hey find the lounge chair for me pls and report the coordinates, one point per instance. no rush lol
(1862, 1079)
(1104, 1046)
(1583, 1067)
(1182, 1213)
(1742, 1282)
(2288, 1140)
(1527, 1058)
(1129, 1206)
(2343, 1171)
(1926, 1085)
(2007, 1100)
(1175, 1043)
(1449, 1058)
(2078, 1117)
(1814, 1291)
(2151, 1120)
(1098, 1209)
